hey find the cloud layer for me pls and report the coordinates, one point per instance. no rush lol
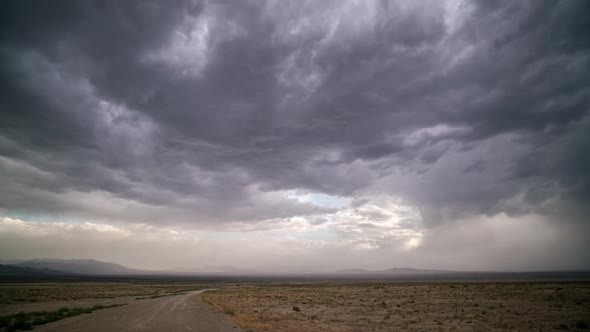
(379, 126)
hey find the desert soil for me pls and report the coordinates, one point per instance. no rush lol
(408, 307)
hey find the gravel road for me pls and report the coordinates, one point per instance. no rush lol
(185, 312)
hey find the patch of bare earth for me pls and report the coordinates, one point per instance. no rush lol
(407, 307)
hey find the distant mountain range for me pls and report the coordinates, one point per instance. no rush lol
(90, 267)
(93, 267)
(79, 266)
(11, 270)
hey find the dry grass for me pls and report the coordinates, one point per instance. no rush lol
(27, 320)
(403, 307)
(47, 292)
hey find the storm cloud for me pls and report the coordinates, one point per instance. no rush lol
(392, 132)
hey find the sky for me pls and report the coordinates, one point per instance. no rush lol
(297, 135)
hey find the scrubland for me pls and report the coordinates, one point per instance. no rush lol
(17, 293)
(498, 306)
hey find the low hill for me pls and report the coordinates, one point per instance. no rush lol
(11, 270)
(82, 266)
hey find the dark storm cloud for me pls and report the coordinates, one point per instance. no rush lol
(199, 111)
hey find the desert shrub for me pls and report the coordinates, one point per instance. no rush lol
(295, 308)
(49, 317)
(21, 315)
(26, 320)
(4, 321)
(75, 312)
(228, 311)
(20, 324)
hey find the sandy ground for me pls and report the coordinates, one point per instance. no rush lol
(171, 313)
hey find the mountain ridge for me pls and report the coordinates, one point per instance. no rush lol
(12, 270)
(96, 267)
(81, 266)
(93, 267)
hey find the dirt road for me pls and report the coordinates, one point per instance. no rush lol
(171, 313)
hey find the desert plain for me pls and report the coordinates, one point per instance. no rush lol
(315, 306)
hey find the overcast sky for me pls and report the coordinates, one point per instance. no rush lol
(287, 135)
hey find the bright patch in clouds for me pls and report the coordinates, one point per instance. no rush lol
(188, 47)
(319, 199)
